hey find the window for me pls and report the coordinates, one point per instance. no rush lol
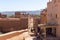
(56, 15)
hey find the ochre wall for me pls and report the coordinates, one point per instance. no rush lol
(11, 24)
(53, 14)
(43, 17)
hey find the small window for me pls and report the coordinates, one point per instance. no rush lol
(56, 15)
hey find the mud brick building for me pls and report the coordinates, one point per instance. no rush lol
(53, 16)
(17, 22)
(52, 27)
(43, 17)
(13, 24)
(21, 14)
(17, 14)
(0, 15)
(3, 15)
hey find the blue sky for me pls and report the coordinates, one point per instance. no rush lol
(22, 5)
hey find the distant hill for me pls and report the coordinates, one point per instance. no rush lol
(34, 12)
(37, 12)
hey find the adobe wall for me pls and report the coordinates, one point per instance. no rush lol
(58, 31)
(43, 17)
(12, 34)
(24, 23)
(53, 16)
(13, 25)
(20, 14)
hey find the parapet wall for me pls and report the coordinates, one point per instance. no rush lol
(13, 24)
(12, 34)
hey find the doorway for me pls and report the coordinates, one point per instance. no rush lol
(48, 32)
(51, 32)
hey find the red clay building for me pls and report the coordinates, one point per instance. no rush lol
(18, 22)
(43, 17)
(13, 24)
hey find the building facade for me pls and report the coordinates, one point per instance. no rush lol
(21, 14)
(53, 14)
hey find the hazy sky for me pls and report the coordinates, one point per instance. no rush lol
(22, 5)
